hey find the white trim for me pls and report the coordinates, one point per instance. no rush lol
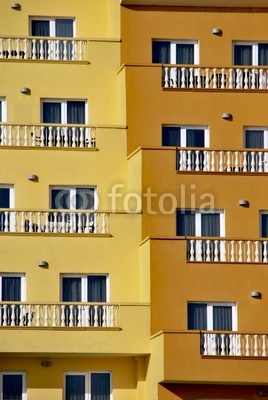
(24, 387)
(11, 194)
(3, 117)
(52, 24)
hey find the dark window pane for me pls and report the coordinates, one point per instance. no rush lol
(197, 316)
(71, 289)
(264, 225)
(171, 136)
(60, 199)
(263, 54)
(161, 52)
(1, 111)
(184, 53)
(242, 54)
(210, 224)
(100, 386)
(75, 387)
(222, 318)
(64, 28)
(75, 112)
(40, 28)
(84, 199)
(96, 288)
(195, 138)
(254, 139)
(185, 223)
(11, 288)
(52, 113)
(4, 197)
(12, 387)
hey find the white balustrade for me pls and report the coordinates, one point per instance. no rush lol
(59, 315)
(54, 222)
(225, 161)
(234, 344)
(227, 250)
(35, 48)
(46, 135)
(187, 77)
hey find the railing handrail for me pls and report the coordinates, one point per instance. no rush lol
(233, 332)
(223, 238)
(198, 66)
(51, 210)
(44, 37)
(210, 149)
(46, 124)
(60, 303)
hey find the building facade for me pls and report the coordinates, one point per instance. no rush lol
(133, 205)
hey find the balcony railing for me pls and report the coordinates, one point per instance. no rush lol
(54, 221)
(194, 77)
(47, 135)
(59, 315)
(227, 250)
(43, 48)
(197, 160)
(234, 344)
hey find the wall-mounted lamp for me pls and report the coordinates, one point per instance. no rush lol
(42, 263)
(32, 177)
(15, 6)
(227, 116)
(25, 90)
(46, 363)
(216, 31)
(243, 203)
(261, 393)
(255, 294)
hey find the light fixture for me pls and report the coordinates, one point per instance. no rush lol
(25, 90)
(243, 203)
(32, 177)
(227, 116)
(255, 294)
(15, 6)
(216, 31)
(42, 263)
(46, 363)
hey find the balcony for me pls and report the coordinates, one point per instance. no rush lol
(222, 161)
(189, 77)
(227, 250)
(54, 222)
(76, 315)
(48, 135)
(234, 344)
(41, 48)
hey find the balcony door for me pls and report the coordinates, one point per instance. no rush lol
(11, 289)
(86, 288)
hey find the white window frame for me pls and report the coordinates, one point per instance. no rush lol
(11, 194)
(184, 128)
(255, 49)
(198, 220)
(63, 103)
(257, 128)
(24, 382)
(52, 24)
(210, 306)
(261, 212)
(83, 278)
(87, 375)
(72, 190)
(173, 48)
(4, 109)
(23, 283)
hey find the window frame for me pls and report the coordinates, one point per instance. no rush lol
(3, 115)
(174, 42)
(198, 219)
(184, 129)
(52, 24)
(255, 49)
(210, 306)
(24, 382)
(84, 284)
(11, 193)
(22, 282)
(258, 128)
(63, 103)
(87, 375)
(72, 190)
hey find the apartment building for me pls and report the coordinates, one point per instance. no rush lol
(74, 321)
(196, 83)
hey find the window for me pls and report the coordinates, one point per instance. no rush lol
(52, 27)
(256, 138)
(84, 288)
(87, 385)
(13, 385)
(212, 316)
(71, 112)
(2, 110)
(12, 288)
(250, 53)
(175, 52)
(6, 201)
(200, 223)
